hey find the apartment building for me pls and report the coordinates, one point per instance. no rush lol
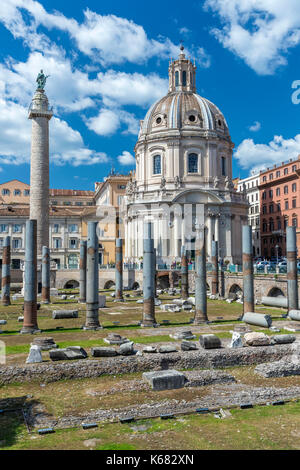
(280, 206)
(68, 209)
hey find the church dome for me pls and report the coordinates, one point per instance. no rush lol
(182, 108)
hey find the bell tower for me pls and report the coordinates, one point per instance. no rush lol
(182, 74)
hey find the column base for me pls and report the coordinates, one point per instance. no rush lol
(95, 328)
(29, 331)
(149, 325)
(119, 300)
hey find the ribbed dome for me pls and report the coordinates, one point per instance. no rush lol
(184, 110)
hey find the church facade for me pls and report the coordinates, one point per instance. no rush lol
(183, 177)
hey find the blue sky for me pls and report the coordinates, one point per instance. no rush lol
(108, 61)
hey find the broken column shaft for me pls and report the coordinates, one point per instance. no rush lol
(215, 268)
(30, 292)
(200, 279)
(148, 278)
(82, 271)
(92, 279)
(184, 274)
(45, 275)
(248, 283)
(5, 284)
(119, 270)
(292, 282)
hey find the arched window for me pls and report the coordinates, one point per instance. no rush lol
(157, 165)
(184, 78)
(176, 78)
(193, 163)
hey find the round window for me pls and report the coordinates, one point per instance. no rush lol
(158, 120)
(192, 118)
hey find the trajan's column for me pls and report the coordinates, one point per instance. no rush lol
(40, 114)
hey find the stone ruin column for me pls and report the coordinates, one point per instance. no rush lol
(82, 272)
(184, 274)
(155, 272)
(248, 281)
(119, 270)
(148, 278)
(45, 275)
(92, 279)
(40, 114)
(292, 274)
(30, 292)
(5, 284)
(200, 279)
(215, 268)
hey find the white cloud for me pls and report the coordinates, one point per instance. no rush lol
(260, 32)
(259, 156)
(108, 121)
(130, 89)
(106, 38)
(184, 31)
(203, 59)
(126, 159)
(255, 127)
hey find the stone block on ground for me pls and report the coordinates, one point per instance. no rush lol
(256, 339)
(236, 340)
(3, 322)
(64, 297)
(127, 349)
(60, 314)
(170, 308)
(45, 344)
(210, 341)
(35, 355)
(167, 349)
(294, 315)
(188, 346)
(149, 349)
(165, 379)
(114, 338)
(157, 302)
(257, 319)
(69, 353)
(185, 334)
(103, 352)
(20, 319)
(282, 339)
